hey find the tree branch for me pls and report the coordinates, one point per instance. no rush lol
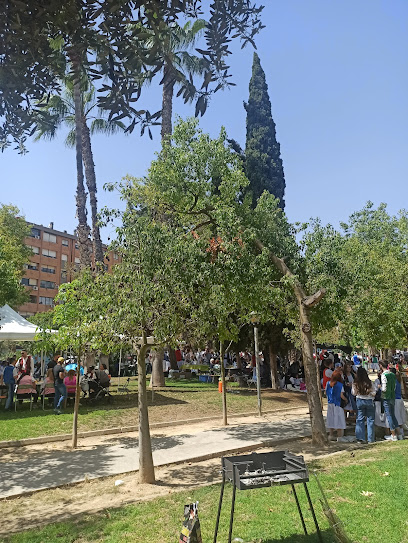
(314, 299)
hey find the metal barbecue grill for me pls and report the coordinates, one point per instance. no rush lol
(260, 471)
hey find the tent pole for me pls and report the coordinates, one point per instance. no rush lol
(120, 364)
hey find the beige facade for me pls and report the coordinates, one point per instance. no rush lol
(55, 258)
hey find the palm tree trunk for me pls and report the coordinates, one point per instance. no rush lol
(167, 104)
(91, 184)
(83, 228)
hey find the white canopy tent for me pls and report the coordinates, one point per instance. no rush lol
(14, 327)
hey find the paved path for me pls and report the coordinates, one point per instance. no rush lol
(113, 457)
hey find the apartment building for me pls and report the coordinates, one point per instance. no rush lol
(54, 260)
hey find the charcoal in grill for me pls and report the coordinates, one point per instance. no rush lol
(259, 470)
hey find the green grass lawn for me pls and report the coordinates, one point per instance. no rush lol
(178, 401)
(266, 515)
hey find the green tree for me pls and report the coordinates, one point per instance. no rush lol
(60, 110)
(263, 163)
(14, 254)
(364, 268)
(200, 183)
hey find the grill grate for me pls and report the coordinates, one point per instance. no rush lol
(265, 469)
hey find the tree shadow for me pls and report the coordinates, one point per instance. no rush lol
(327, 536)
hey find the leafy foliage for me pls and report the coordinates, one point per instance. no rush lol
(263, 163)
(108, 39)
(13, 255)
(364, 266)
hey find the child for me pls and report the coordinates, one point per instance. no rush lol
(335, 414)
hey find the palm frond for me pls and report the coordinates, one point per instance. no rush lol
(103, 126)
(70, 140)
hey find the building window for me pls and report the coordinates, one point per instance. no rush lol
(77, 260)
(33, 299)
(49, 237)
(76, 246)
(35, 250)
(48, 269)
(64, 277)
(45, 300)
(116, 256)
(29, 282)
(65, 242)
(31, 267)
(49, 253)
(47, 284)
(35, 233)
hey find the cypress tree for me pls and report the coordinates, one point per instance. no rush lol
(263, 163)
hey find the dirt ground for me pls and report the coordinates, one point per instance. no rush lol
(71, 502)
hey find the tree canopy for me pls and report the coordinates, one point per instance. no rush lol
(108, 39)
(14, 254)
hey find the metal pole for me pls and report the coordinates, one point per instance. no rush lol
(120, 364)
(299, 509)
(42, 363)
(319, 535)
(258, 370)
(217, 522)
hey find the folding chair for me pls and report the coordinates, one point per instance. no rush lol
(21, 395)
(48, 395)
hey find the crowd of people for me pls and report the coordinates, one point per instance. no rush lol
(20, 379)
(353, 396)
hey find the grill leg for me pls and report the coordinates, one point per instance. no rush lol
(319, 535)
(217, 522)
(299, 509)
(234, 489)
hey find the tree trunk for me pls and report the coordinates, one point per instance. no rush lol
(224, 392)
(167, 104)
(239, 363)
(157, 378)
(83, 228)
(76, 404)
(305, 303)
(172, 357)
(146, 467)
(274, 368)
(91, 184)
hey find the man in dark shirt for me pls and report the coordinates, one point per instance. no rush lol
(60, 388)
(51, 365)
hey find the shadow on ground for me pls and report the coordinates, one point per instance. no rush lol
(327, 536)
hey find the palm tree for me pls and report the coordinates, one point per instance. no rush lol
(173, 47)
(61, 109)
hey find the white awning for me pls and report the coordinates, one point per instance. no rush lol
(14, 327)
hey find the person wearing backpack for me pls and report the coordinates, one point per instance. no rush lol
(388, 386)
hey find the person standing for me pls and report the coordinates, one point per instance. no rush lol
(9, 379)
(25, 364)
(388, 385)
(60, 388)
(52, 363)
(335, 420)
(364, 390)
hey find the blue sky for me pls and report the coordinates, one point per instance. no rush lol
(338, 79)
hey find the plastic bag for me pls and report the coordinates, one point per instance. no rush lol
(191, 531)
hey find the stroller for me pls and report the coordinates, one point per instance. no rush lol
(97, 388)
